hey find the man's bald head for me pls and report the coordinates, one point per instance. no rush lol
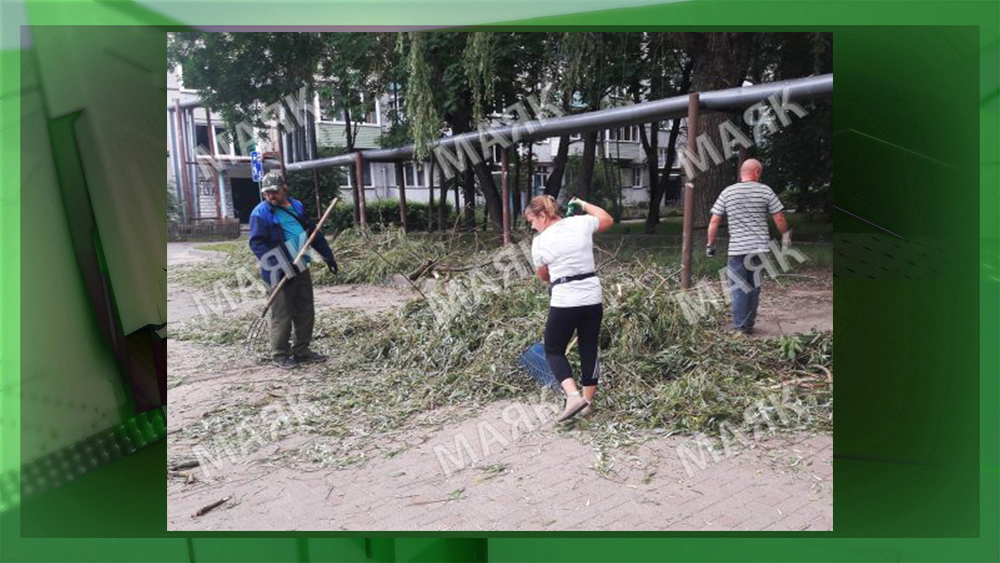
(750, 170)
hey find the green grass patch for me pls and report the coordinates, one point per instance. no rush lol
(805, 227)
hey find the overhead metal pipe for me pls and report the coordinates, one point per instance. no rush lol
(191, 103)
(211, 151)
(182, 155)
(798, 89)
(175, 158)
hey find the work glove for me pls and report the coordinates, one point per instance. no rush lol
(710, 251)
(332, 265)
(575, 207)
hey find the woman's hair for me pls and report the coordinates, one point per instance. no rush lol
(543, 205)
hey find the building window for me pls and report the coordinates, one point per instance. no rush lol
(636, 177)
(497, 153)
(330, 109)
(222, 145)
(207, 185)
(538, 178)
(413, 174)
(367, 173)
(237, 149)
(628, 134)
(201, 138)
(393, 109)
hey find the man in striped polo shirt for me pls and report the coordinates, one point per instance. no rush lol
(746, 205)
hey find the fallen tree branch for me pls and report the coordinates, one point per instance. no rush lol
(206, 509)
(185, 465)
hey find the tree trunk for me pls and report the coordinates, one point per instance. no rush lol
(401, 184)
(512, 191)
(531, 167)
(721, 60)
(553, 184)
(443, 207)
(311, 127)
(587, 160)
(709, 183)
(349, 138)
(656, 197)
(311, 121)
(469, 193)
(611, 171)
(490, 193)
(659, 188)
(517, 184)
(430, 197)
(651, 145)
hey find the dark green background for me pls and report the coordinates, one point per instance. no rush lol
(916, 465)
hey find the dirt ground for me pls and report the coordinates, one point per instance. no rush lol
(505, 467)
(801, 303)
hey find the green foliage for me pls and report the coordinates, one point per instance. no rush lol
(791, 347)
(302, 187)
(354, 69)
(452, 80)
(478, 61)
(798, 159)
(662, 371)
(240, 74)
(425, 122)
(602, 192)
(384, 213)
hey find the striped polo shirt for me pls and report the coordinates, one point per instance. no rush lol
(747, 206)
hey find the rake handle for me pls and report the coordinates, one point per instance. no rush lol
(302, 252)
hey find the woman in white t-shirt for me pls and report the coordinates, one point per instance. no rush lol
(563, 255)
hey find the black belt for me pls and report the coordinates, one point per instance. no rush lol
(566, 279)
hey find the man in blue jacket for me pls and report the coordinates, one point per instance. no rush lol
(278, 229)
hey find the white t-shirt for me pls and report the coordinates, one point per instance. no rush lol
(567, 248)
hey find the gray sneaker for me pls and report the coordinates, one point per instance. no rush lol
(309, 357)
(283, 361)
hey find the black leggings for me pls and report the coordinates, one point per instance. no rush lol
(586, 321)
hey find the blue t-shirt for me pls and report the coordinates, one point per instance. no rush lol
(295, 235)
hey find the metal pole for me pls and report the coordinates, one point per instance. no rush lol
(505, 197)
(192, 138)
(692, 133)
(359, 174)
(211, 151)
(174, 157)
(183, 161)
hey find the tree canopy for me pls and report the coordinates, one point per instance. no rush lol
(453, 82)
